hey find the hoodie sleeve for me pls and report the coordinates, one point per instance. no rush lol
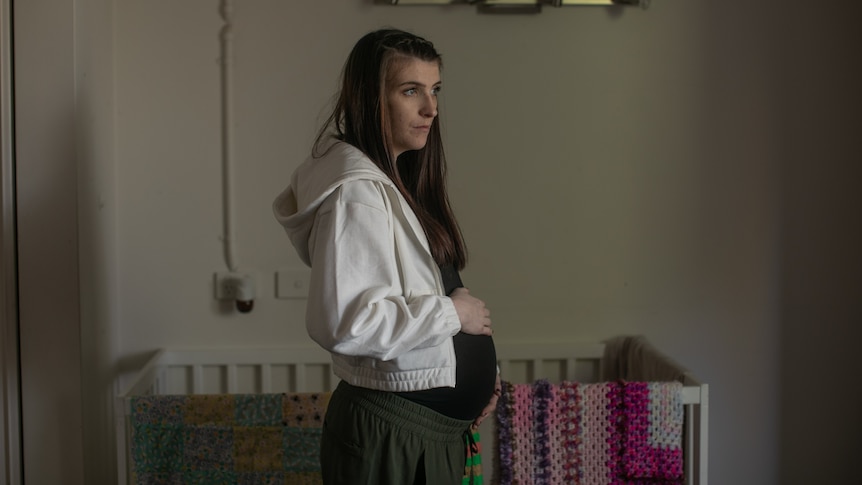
(356, 303)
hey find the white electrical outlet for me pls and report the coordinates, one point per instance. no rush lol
(234, 286)
(292, 283)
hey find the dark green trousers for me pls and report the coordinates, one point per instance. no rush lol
(377, 438)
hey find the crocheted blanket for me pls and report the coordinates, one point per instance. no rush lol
(612, 433)
(227, 438)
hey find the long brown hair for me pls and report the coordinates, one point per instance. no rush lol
(360, 119)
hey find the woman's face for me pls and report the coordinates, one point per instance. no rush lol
(411, 102)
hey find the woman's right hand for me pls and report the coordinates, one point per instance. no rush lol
(475, 317)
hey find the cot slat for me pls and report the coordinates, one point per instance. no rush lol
(265, 378)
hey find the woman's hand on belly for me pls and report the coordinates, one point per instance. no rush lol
(474, 315)
(492, 404)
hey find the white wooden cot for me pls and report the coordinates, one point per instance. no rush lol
(307, 369)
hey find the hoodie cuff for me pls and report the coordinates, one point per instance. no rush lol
(450, 316)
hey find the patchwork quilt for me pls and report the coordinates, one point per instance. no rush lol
(229, 439)
(271, 439)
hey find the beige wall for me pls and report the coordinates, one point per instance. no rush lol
(821, 290)
(614, 171)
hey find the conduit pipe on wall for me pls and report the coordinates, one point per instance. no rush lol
(232, 285)
(226, 64)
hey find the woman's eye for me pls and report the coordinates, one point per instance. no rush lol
(435, 91)
(410, 92)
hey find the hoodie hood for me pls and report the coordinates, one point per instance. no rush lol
(296, 207)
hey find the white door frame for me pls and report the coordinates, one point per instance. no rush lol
(46, 208)
(11, 464)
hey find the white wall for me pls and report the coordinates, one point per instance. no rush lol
(97, 232)
(615, 171)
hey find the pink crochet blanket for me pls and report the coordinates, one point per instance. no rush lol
(612, 433)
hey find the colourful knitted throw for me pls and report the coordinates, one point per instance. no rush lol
(613, 433)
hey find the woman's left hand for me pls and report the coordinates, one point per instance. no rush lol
(492, 404)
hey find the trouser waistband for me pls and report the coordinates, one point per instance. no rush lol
(408, 415)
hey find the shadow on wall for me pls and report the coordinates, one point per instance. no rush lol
(822, 235)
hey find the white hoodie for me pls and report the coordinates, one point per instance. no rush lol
(376, 299)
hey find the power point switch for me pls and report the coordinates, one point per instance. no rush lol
(239, 287)
(292, 283)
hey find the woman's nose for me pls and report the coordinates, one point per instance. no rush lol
(429, 106)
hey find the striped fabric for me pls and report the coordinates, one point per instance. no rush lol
(473, 467)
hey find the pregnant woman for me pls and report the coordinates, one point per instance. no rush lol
(369, 212)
